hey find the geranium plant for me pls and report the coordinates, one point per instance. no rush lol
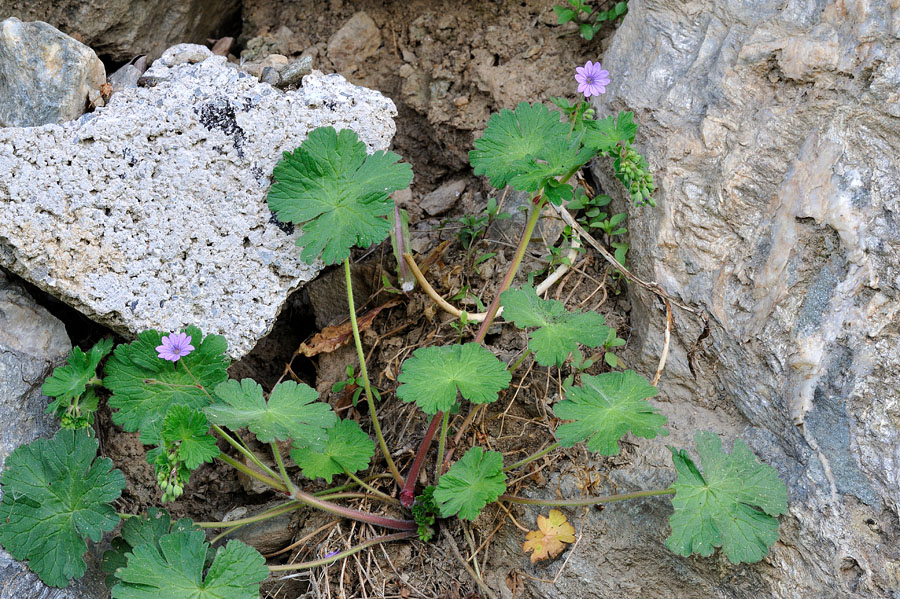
(174, 390)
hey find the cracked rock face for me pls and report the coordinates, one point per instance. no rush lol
(151, 212)
(773, 131)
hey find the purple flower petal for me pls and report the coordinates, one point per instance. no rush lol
(174, 347)
(592, 79)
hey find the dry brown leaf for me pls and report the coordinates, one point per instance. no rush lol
(551, 538)
(331, 338)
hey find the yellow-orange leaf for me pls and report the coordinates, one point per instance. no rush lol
(551, 538)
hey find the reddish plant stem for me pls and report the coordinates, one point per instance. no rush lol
(408, 493)
(537, 204)
(339, 510)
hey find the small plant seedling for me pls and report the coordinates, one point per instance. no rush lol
(474, 226)
(173, 389)
(612, 341)
(353, 383)
(589, 20)
(73, 385)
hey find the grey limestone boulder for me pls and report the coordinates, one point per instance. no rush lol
(45, 75)
(32, 342)
(773, 130)
(151, 212)
(123, 29)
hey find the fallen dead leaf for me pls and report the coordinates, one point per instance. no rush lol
(551, 538)
(331, 338)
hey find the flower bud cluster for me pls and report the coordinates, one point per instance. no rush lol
(171, 475)
(633, 171)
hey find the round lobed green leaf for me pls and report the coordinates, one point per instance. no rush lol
(732, 504)
(145, 386)
(433, 375)
(558, 331)
(292, 411)
(338, 193)
(470, 484)
(606, 407)
(348, 448)
(55, 495)
(173, 568)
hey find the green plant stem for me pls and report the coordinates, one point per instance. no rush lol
(237, 444)
(339, 556)
(290, 506)
(284, 475)
(272, 482)
(244, 451)
(357, 495)
(517, 363)
(589, 501)
(345, 512)
(229, 531)
(349, 485)
(537, 204)
(442, 443)
(369, 487)
(532, 457)
(365, 376)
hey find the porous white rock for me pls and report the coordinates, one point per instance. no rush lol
(151, 212)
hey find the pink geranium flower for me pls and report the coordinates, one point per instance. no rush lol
(175, 346)
(592, 79)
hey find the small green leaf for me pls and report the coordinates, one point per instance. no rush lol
(606, 407)
(611, 359)
(432, 376)
(173, 569)
(620, 8)
(55, 495)
(512, 140)
(347, 448)
(470, 484)
(337, 192)
(604, 134)
(563, 14)
(292, 412)
(149, 528)
(70, 381)
(559, 332)
(188, 430)
(425, 512)
(145, 386)
(587, 31)
(731, 504)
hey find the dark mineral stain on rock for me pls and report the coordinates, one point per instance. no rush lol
(219, 114)
(286, 227)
